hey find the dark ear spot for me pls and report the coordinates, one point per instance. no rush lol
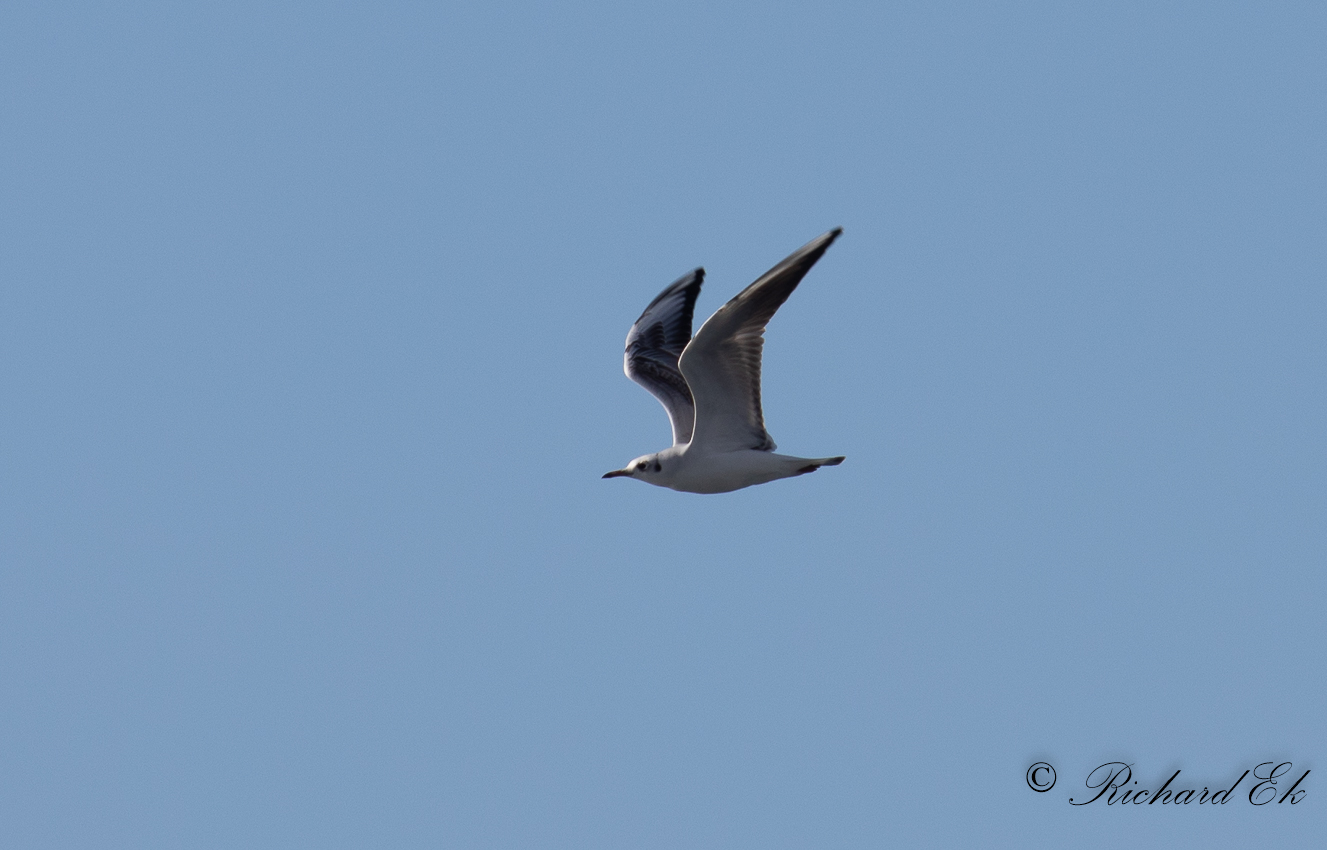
(657, 466)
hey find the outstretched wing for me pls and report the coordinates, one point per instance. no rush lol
(722, 364)
(656, 342)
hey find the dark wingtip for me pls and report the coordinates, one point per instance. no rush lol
(835, 461)
(822, 244)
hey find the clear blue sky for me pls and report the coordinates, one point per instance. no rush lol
(311, 323)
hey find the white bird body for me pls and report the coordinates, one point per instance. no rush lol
(710, 385)
(698, 471)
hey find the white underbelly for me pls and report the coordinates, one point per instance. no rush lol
(728, 471)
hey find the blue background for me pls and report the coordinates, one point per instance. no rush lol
(311, 322)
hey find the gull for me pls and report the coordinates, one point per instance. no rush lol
(710, 384)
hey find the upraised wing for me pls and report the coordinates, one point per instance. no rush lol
(655, 343)
(722, 364)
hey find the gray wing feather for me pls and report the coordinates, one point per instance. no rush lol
(654, 345)
(722, 364)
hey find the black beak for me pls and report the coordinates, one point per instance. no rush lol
(617, 473)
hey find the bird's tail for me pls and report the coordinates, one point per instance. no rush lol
(812, 464)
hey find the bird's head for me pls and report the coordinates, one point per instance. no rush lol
(642, 467)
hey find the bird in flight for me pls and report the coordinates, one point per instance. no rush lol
(710, 384)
